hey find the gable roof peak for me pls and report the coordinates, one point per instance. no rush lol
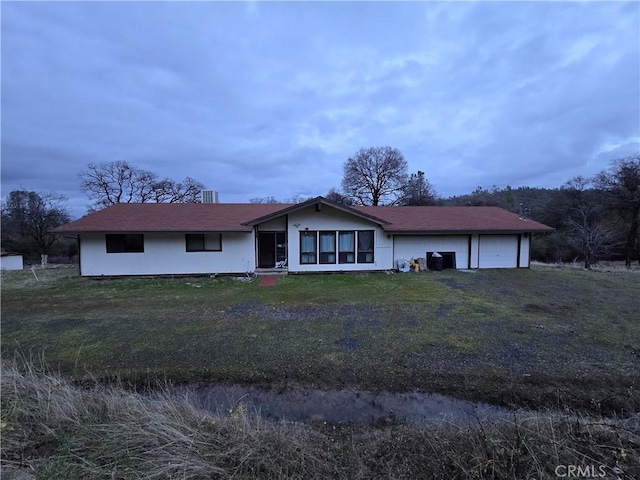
(318, 202)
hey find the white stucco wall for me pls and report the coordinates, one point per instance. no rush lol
(525, 245)
(331, 219)
(11, 262)
(276, 225)
(475, 250)
(416, 246)
(165, 253)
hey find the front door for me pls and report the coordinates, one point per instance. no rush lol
(266, 250)
(272, 249)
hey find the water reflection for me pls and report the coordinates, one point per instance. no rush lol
(344, 406)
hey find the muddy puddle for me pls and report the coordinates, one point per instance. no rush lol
(344, 406)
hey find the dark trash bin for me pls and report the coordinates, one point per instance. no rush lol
(436, 263)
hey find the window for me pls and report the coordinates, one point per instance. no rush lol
(281, 247)
(203, 242)
(125, 243)
(327, 247)
(365, 246)
(308, 247)
(347, 247)
(320, 247)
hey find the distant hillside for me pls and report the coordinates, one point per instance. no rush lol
(533, 198)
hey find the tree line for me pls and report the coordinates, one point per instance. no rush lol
(28, 217)
(595, 218)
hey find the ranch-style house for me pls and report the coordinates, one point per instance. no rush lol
(314, 236)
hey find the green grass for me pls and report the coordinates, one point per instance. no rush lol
(541, 337)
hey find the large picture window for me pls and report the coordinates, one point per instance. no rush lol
(365, 246)
(124, 243)
(203, 242)
(327, 247)
(308, 247)
(347, 247)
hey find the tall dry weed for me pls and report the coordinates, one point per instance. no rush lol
(62, 431)
(56, 430)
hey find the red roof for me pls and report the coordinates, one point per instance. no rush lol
(171, 217)
(240, 217)
(453, 219)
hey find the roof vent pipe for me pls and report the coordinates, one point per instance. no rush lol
(523, 212)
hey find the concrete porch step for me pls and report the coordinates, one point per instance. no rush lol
(271, 271)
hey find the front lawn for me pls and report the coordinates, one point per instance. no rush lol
(540, 337)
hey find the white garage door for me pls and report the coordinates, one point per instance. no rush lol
(498, 251)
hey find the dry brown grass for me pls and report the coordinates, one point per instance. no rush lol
(60, 431)
(602, 266)
(55, 430)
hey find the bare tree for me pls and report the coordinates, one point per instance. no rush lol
(115, 182)
(621, 183)
(297, 198)
(589, 235)
(119, 182)
(586, 229)
(375, 176)
(168, 191)
(335, 196)
(270, 199)
(418, 191)
(27, 219)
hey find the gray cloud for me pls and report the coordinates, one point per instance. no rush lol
(259, 99)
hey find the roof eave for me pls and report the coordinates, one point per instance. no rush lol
(465, 231)
(119, 231)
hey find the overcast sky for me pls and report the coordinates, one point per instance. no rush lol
(257, 99)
